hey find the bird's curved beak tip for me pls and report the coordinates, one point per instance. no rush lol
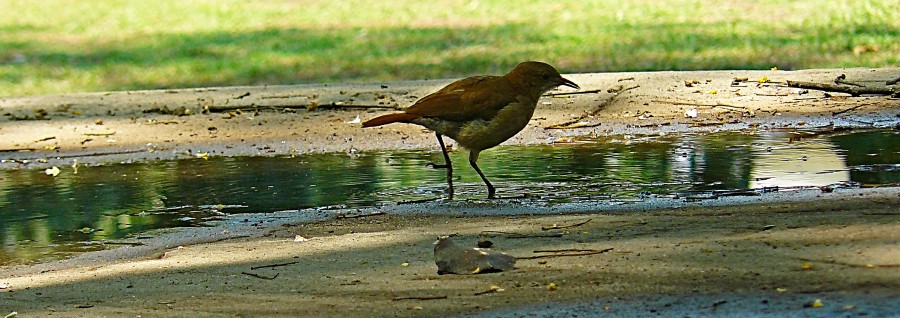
(567, 82)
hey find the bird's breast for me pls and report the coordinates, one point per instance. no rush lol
(483, 134)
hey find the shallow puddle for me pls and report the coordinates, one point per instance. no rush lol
(44, 217)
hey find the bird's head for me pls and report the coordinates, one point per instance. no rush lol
(540, 76)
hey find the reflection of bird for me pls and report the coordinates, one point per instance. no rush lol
(454, 259)
(480, 112)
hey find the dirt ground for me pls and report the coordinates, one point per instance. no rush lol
(842, 249)
(776, 258)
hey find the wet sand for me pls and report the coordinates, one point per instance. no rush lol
(763, 255)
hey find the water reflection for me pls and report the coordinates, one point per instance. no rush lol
(45, 217)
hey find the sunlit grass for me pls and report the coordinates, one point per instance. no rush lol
(76, 46)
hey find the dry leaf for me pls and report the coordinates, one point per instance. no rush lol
(814, 304)
(453, 259)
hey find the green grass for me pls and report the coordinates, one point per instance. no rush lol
(61, 46)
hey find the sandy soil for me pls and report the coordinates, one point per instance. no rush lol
(842, 249)
(701, 259)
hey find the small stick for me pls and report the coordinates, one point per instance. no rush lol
(518, 235)
(565, 250)
(723, 105)
(557, 227)
(572, 125)
(283, 96)
(273, 265)
(418, 298)
(100, 134)
(16, 149)
(489, 291)
(577, 123)
(848, 109)
(853, 91)
(574, 93)
(567, 254)
(260, 276)
(344, 216)
(419, 201)
(333, 105)
(842, 79)
(836, 262)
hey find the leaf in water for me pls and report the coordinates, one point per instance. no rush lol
(54, 171)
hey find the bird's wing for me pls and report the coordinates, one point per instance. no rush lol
(477, 97)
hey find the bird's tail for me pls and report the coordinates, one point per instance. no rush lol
(389, 119)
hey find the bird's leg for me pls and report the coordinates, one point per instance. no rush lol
(447, 165)
(473, 157)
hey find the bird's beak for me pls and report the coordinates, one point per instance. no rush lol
(566, 82)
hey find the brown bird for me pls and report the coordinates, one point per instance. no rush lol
(480, 112)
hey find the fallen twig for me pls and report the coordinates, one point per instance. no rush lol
(853, 91)
(420, 200)
(842, 79)
(592, 252)
(579, 122)
(260, 276)
(723, 105)
(312, 106)
(489, 291)
(574, 93)
(283, 96)
(518, 235)
(16, 149)
(418, 298)
(100, 134)
(354, 216)
(273, 265)
(565, 250)
(571, 125)
(336, 105)
(836, 262)
(557, 227)
(848, 109)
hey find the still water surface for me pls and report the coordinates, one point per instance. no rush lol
(44, 217)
